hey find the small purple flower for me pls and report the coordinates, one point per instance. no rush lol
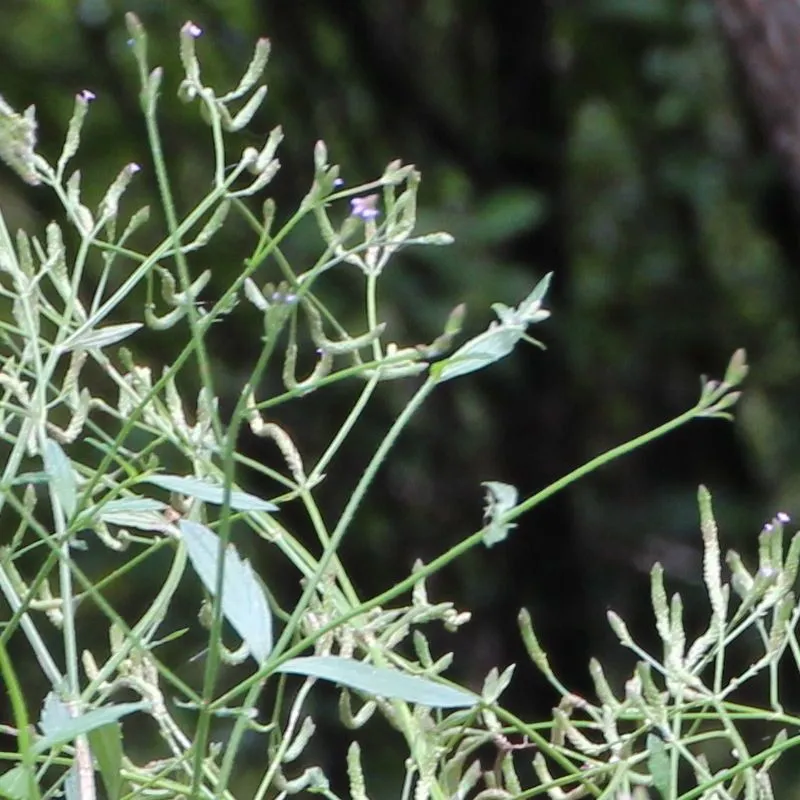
(783, 517)
(365, 207)
(338, 183)
(87, 95)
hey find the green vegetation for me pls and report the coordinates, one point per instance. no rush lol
(241, 487)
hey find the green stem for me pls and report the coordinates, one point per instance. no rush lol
(25, 743)
(350, 509)
(450, 555)
(254, 684)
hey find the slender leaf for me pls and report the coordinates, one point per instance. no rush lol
(142, 513)
(106, 745)
(60, 729)
(14, 784)
(61, 475)
(499, 339)
(131, 505)
(490, 346)
(380, 681)
(102, 337)
(210, 492)
(243, 601)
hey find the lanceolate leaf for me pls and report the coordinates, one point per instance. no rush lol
(106, 746)
(499, 339)
(210, 492)
(490, 346)
(143, 513)
(101, 337)
(380, 681)
(243, 601)
(61, 475)
(61, 728)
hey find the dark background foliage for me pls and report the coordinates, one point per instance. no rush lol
(614, 142)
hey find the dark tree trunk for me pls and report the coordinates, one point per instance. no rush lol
(765, 37)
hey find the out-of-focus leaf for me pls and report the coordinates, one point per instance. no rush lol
(505, 214)
(14, 784)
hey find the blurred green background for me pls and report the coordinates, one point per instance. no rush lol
(613, 142)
